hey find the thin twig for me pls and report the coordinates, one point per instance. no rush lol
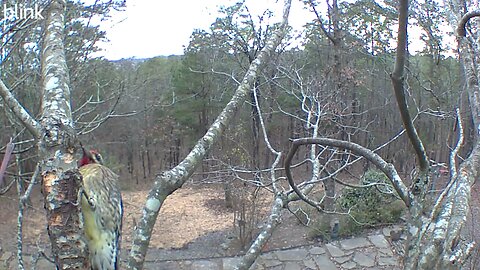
(387, 168)
(322, 26)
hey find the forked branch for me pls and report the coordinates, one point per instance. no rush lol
(397, 82)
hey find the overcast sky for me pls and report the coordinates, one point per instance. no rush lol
(149, 28)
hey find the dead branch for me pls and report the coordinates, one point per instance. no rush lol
(256, 248)
(22, 199)
(7, 187)
(454, 153)
(21, 206)
(322, 26)
(277, 206)
(171, 180)
(61, 179)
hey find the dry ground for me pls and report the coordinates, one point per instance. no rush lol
(185, 216)
(193, 223)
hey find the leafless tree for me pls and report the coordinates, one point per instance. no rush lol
(56, 138)
(169, 181)
(434, 225)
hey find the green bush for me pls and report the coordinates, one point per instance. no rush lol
(368, 207)
(372, 205)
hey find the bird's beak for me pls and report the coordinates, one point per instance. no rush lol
(83, 149)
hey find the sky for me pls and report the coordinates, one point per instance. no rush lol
(149, 28)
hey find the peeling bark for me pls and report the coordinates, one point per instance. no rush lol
(56, 138)
(435, 242)
(171, 180)
(61, 180)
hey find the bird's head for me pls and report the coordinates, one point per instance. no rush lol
(90, 157)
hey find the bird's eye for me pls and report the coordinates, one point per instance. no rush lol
(99, 158)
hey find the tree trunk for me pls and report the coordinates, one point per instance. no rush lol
(61, 179)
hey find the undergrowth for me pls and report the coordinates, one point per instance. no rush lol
(374, 205)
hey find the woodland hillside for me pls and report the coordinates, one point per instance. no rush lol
(251, 105)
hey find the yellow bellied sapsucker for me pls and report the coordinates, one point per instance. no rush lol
(102, 211)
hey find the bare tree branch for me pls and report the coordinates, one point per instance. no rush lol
(454, 153)
(61, 179)
(171, 180)
(397, 81)
(461, 29)
(22, 200)
(434, 242)
(280, 200)
(19, 111)
(7, 187)
(421, 182)
(385, 167)
(6, 159)
(256, 248)
(21, 207)
(322, 26)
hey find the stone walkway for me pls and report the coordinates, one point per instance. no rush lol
(374, 251)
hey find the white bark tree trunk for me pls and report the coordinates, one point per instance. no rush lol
(61, 180)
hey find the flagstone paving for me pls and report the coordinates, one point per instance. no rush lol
(378, 250)
(374, 251)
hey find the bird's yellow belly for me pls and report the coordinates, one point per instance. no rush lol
(89, 224)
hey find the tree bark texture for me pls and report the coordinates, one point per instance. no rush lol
(435, 241)
(55, 136)
(61, 181)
